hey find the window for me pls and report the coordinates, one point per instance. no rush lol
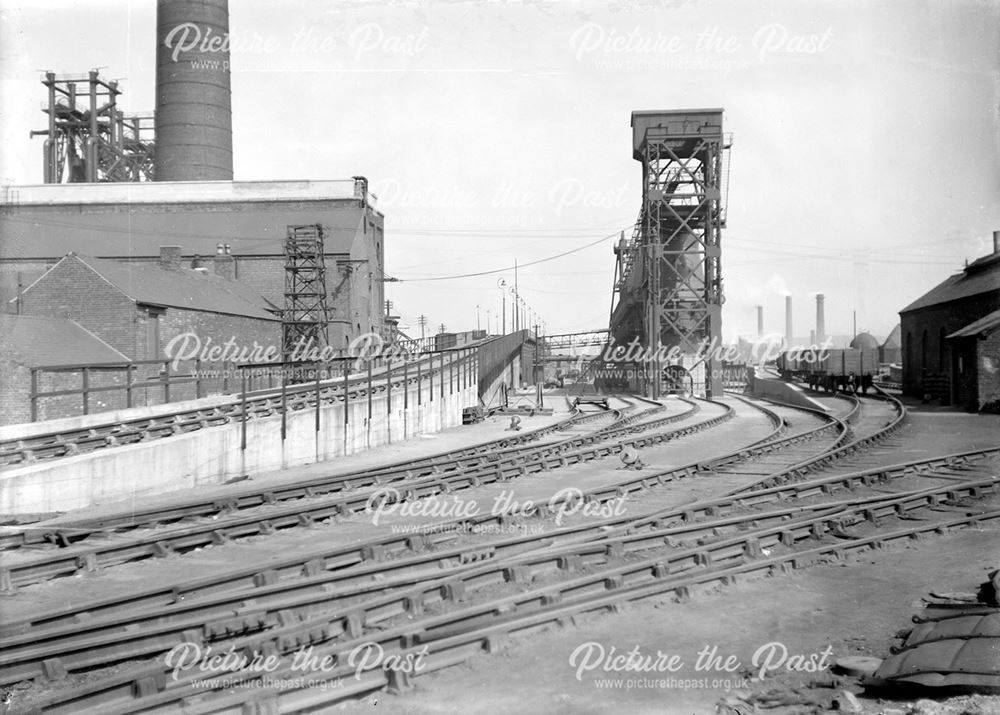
(942, 352)
(923, 351)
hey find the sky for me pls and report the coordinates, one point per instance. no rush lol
(866, 136)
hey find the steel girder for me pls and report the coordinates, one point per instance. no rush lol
(306, 317)
(668, 280)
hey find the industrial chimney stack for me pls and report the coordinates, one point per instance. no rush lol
(760, 321)
(788, 321)
(820, 319)
(194, 122)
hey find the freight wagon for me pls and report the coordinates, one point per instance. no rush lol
(830, 369)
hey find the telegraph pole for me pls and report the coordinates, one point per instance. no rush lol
(502, 285)
(422, 321)
(517, 321)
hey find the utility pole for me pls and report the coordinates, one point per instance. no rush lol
(422, 322)
(442, 328)
(477, 317)
(517, 321)
(388, 307)
(535, 371)
(502, 285)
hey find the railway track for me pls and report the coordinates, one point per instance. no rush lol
(65, 532)
(88, 558)
(305, 506)
(381, 592)
(354, 593)
(678, 556)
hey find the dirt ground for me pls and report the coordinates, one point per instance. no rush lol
(851, 609)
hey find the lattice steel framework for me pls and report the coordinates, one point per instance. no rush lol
(89, 138)
(306, 318)
(668, 281)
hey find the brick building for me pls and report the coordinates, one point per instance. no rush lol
(938, 357)
(28, 342)
(975, 353)
(139, 309)
(128, 222)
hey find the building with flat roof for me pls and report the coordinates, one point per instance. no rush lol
(246, 220)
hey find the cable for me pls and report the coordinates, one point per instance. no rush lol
(510, 268)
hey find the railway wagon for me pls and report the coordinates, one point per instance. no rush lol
(830, 369)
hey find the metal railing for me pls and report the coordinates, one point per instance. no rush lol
(126, 379)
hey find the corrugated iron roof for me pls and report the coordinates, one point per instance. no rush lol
(180, 288)
(39, 342)
(987, 324)
(983, 276)
(963, 650)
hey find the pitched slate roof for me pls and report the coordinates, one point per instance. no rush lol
(180, 288)
(981, 276)
(38, 342)
(987, 324)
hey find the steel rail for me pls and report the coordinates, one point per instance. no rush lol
(796, 471)
(63, 533)
(720, 561)
(381, 549)
(461, 556)
(313, 563)
(95, 643)
(164, 542)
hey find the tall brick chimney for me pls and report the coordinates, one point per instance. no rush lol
(788, 322)
(820, 319)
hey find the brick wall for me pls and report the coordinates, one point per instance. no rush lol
(14, 387)
(937, 321)
(72, 290)
(218, 329)
(354, 296)
(988, 365)
(14, 272)
(15, 392)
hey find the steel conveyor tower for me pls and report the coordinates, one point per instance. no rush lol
(668, 277)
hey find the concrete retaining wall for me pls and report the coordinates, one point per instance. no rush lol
(214, 455)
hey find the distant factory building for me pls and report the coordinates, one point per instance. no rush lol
(950, 342)
(891, 351)
(864, 341)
